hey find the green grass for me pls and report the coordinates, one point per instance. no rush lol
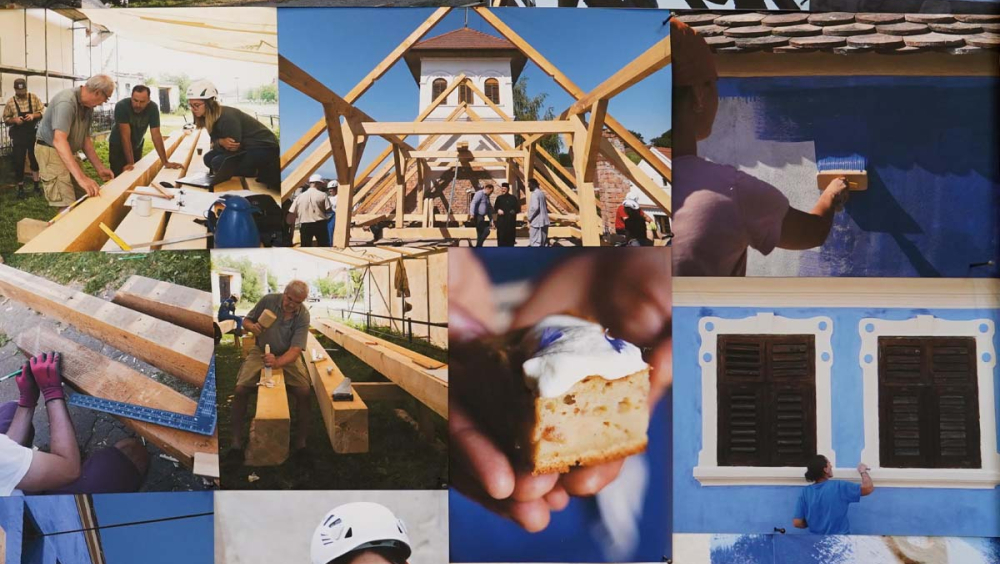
(398, 457)
(102, 271)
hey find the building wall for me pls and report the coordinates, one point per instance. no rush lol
(931, 144)
(23, 44)
(428, 282)
(53, 514)
(937, 510)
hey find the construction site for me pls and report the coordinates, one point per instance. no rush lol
(420, 193)
(375, 358)
(135, 336)
(149, 206)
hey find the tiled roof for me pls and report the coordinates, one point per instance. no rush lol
(665, 151)
(843, 32)
(463, 39)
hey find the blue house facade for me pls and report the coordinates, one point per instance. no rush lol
(898, 374)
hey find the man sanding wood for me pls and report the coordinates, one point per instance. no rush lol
(118, 469)
(286, 336)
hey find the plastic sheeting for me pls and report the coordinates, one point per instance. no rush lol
(238, 34)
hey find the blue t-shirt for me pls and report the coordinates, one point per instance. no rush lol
(824, 506)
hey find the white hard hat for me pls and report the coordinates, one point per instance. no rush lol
(202, 90)
(333, 184)
(315, 178)
(631, 204)
(632, 196)
(358, 526)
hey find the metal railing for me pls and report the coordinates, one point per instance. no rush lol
(406, 323)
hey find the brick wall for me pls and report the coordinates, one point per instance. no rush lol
(612, 185)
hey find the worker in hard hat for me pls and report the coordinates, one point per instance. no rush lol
(311, 210)
(331, 196)
(360, 533)
(235, 134)
(65, 131)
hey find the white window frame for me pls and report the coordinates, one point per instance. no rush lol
(983, 330)
(708, 472)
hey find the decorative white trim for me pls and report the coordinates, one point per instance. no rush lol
(883, 477)
(982, 330)
(954, 293)
(709, 328)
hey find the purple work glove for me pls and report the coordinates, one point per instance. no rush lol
(45, 368)
(26, 385)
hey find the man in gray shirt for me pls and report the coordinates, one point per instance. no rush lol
(62, 133)
(287, 337)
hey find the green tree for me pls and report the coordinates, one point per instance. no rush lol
(665, 140)
(267, 94)
(357, 281)
(638, 136)
(272, 282)
(252, 287)
(530, 108)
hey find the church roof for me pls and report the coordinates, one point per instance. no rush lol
(465, 43)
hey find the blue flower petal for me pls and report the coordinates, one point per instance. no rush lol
(617, 344)
(549, 336)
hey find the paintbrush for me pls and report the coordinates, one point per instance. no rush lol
(67, 210)
(853, 169)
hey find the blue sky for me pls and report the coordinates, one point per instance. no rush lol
(339, 47)
(187, 540)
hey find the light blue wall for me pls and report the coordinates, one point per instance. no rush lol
(758, 509)
(57, 514)
(12, 519)
(814, 549)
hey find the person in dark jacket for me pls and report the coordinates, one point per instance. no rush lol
(228, 311)
(506, 206)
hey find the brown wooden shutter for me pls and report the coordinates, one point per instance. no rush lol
(928, 402)
(766, 400)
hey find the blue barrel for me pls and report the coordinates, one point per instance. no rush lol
(236, 227)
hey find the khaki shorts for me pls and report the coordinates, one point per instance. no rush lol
(296, 374)
(57, 182)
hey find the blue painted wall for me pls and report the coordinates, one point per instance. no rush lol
(12, 520)
(932, 145)
(813, 549)
(56, 514)
(758, 509)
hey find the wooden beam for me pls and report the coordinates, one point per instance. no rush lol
(379, 391)
(336, 255)
(399, 167)
(320, 126)
(180, 305)
(28, 229)
(389, 128)
(78, 230)
(595, 134)
(178, 351)
(529, 162)
(346, 421)
(97, 375)
(634, 173)
(652, 60)
(429, 387)
(292, 75)
(267, 444)
(468, 155)
(590, 225)
(573, 90)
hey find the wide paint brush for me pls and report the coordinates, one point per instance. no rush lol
(853, 168)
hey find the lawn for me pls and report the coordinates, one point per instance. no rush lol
(101, 273)
(398, 457)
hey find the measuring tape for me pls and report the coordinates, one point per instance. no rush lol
(202, 422)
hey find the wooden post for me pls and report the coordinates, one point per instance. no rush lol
(270, 429)
(400, 163)
(589, 223)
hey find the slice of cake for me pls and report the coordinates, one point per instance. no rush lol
(561, 394)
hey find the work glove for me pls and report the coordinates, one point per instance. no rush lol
(26, 385)
(45, 368)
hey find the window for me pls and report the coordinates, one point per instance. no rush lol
(493, 90)
(464, 94)
(438, 87)
(766, 400)
(928, 402)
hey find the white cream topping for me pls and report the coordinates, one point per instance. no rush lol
(566, 349)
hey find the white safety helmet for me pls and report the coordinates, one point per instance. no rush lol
(333, 184)
(631, 204)
(357, 526)
(315, 178)
(202, 90)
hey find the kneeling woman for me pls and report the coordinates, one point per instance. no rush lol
(235, 135)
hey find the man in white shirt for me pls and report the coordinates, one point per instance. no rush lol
(311, 210)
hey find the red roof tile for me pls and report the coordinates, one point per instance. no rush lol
(463, 39)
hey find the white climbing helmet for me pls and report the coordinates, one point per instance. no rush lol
(356, 526)
(333, 184)
(202, 90)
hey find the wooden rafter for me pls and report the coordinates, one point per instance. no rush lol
(654, 59)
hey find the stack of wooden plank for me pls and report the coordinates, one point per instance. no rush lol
(144, 327)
